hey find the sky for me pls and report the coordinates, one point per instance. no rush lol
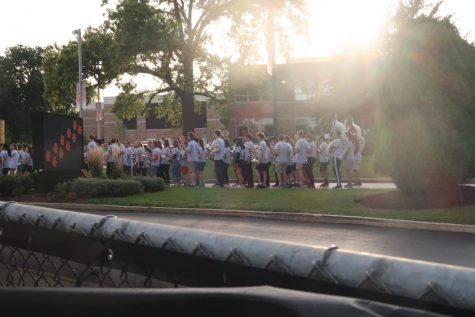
(334, 24)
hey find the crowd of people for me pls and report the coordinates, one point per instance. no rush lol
(15, 159)
(293, 159)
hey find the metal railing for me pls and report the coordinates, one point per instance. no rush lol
(42, 247)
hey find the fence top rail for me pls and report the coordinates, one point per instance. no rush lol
(433, 282)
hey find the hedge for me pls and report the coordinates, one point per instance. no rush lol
(151, 184)
(92, 187)
(15, 185)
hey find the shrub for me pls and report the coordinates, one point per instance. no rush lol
(96, 165)
(151, 184)
(15, 185)
(60, 191)
(427, 141)
(93, 187)
(117, 170)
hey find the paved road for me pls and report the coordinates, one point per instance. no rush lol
(441, 247)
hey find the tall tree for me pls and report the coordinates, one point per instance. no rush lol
(171, 41)
(21, 89)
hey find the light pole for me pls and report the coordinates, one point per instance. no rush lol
(79, 39)
(98, 105)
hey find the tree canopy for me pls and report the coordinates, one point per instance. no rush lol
(171, 41)
(21, 89)
(61, 68)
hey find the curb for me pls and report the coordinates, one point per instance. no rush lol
(299, 217)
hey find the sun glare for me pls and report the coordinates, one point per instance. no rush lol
(340, 25)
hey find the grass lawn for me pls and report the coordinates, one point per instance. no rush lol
(333, 202)
(366, 170)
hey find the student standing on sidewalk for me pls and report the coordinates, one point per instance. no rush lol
(192, 152)
(201, 163)
(282, 156)
(155, 159)
(247, 163)
(262, 160)
(164, 170)
(5, 159)
(176, 157)
(311, 159)
(14, 158)
(128, 159)
(217, 149)
(238, 162)
(323, 159)
(336, 150)
(301, 152)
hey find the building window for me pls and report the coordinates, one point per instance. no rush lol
(152, 122)
(130, 124)
(304, 90)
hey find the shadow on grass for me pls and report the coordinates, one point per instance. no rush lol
(464, 196)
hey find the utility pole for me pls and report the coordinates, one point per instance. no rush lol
(79, 39)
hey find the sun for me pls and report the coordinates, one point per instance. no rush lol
(337, 26)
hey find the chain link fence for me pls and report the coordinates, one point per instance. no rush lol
(42, 247)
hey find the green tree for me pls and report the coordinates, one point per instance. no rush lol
(61, 69)
(427, 94)
(170, 41)
(21, 89)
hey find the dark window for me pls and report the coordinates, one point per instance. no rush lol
(152, 122)
(130, 124)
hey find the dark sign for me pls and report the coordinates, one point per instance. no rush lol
(57, 142)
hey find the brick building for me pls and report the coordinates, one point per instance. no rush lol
(142, 128)
(308, 93)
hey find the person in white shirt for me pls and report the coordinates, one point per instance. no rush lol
(311, 159)
(262, 160)
(336, 149)
(201, 163)
(192, 154)
(282, 154)
(27, 161)
(140, 158)
(127, 158)
(301, 152)
(155, 158)
(14, 159)
(247, 161)
(238, 162)
(290, 172)
(122, 149)
(92, 143)
(350, 158)
(5, 159)
(110, 158)
(218, 151)
(176, 158)
(323, 159)
(165, 158)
